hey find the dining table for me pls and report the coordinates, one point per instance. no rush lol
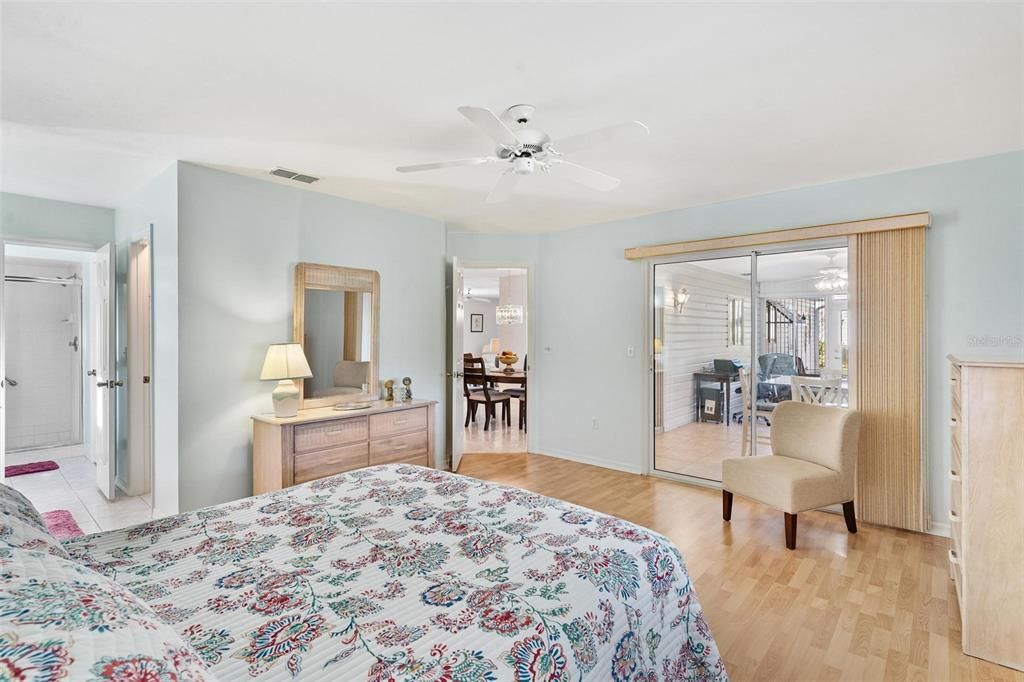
(500, 376)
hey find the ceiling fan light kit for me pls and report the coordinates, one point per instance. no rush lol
(526, 150)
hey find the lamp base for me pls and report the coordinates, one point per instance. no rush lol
(286, 399)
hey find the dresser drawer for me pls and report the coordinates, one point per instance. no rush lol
(314, 465)
(956, 530)
(956, 502)
(956, 573)
(955, 457)
(954, 431)
(403, 421)
(320, 435)
(399, 448)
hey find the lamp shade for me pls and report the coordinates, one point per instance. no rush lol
(285, 361)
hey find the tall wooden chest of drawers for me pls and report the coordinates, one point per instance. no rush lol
(987, 507)
(323, 441)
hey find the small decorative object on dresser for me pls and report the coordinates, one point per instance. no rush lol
(986, 507)
(283, 363)
(322, 441)
(407, 382)
(389, 390)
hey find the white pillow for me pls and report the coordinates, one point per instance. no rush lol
(62, 621)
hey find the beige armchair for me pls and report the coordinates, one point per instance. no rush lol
(813, 464)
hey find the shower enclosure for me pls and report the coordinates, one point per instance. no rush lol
(43, 374)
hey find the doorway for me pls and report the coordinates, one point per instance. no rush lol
(734, 334)
(490, 347)
(67, 416)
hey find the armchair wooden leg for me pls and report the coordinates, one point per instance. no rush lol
(850, 516)
(790, 531)
(726, 505)
(469, 411)
(488, 411)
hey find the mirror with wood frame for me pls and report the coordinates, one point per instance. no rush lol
(336, 318)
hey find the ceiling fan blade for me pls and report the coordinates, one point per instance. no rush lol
(602, 136)
(503, 189)
(583, 175)
(478, 161)
(485, 120)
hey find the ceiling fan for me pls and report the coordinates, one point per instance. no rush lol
(526, 150)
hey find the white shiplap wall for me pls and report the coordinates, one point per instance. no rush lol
(697, 335)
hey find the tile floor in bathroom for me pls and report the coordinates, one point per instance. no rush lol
(73, 487)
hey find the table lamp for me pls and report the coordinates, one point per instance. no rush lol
(285, 362)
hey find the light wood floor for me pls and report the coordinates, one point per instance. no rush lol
(498, 438)
(877, 605)
(698, 448)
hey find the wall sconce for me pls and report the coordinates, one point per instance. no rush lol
(681, 297)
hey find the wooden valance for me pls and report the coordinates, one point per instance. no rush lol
(792, 234)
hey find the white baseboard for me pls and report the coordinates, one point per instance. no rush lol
(583, 459)
(940, 529)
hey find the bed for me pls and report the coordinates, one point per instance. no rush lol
(399, 572)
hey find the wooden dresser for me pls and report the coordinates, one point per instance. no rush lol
(987, 507)
(323, 441)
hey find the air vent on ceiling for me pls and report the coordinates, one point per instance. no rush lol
(292, 175)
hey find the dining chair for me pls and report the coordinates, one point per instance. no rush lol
(477, 391)
(773, 365)
(813, 464)
(519, 393)
(817, 391)
(764, 409)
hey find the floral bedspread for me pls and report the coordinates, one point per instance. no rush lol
(404, 573)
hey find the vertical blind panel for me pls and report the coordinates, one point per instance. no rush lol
(890, 359)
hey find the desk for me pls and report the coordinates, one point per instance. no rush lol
(724, 382)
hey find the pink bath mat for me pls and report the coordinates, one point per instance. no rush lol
(30, 468)
(61, 524)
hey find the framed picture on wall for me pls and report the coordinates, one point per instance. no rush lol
(476, 322)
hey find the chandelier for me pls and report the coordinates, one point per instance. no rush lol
(508, 314)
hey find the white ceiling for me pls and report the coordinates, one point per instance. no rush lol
(741, 99)
(482, 283)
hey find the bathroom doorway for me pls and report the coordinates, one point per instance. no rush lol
(76, 430)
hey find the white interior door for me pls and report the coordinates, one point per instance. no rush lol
(103, 368)
(455, 396)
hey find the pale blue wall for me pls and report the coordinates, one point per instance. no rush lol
(152, 211)
(58, 221)
(589, 299)
(239, 241)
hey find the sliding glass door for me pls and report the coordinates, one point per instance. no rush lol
(735, 334)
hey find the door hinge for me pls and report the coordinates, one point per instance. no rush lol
(145, 379)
